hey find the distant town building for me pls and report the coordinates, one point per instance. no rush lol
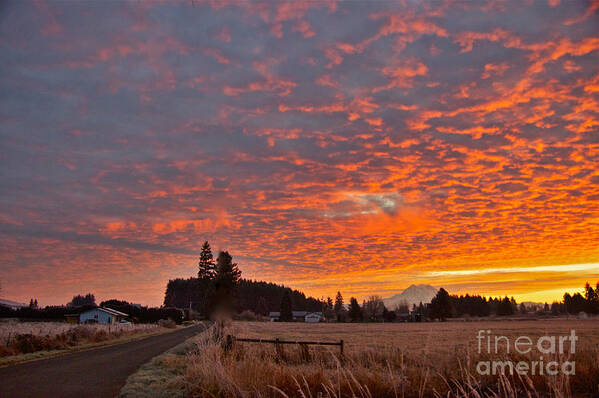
(298, 316)
(13, 305)
(102, 315)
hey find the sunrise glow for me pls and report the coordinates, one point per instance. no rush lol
(326, 145)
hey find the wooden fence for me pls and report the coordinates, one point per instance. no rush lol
(230, 340)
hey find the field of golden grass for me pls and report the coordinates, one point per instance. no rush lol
(388, 360)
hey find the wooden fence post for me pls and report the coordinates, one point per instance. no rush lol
(278, 349)
(228, 342)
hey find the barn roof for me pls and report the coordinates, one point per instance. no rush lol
(107, 310)
(10, 303)
(113, 312)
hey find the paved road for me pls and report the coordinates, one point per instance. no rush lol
(100, 372)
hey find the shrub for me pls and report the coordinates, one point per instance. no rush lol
(167, 323)
(247, 315)
(27, 343)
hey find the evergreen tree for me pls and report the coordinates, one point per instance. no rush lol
(286, 308)
(225, 283)
(514, 305)
(329, 312)
(592, 298)
(206, 264)
(555, 308)
(261, 307)
(80, 300)
(568, 303)
(505, 307)
(355, 312)
(441, 306)
(339, 307)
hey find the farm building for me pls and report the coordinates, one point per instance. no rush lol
(13, 305)
(298, 316)
(102, 315)
(313, 317)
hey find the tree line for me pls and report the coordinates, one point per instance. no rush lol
(221, 282)
(81, 303)
(445, 306)
(219, 287)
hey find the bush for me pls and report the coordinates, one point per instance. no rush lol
(167, 323)
(247, 315)
(27, 343)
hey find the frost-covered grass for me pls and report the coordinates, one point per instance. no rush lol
(29, 337)
(380, 360)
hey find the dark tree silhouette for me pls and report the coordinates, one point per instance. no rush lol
(261, 306)
(574, 304)
(355, 312)
(206, 264)
(389, 316)
(257, 296)
(80, 300)
(592, 297)
(339, 307)
(441, 306)
(505, 307)
(225, 282)
(286, 308)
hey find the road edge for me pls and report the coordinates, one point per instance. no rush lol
(163, 375)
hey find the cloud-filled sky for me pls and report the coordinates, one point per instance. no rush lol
(353, 146)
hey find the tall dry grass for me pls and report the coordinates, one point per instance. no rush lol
(381, 360)
(28, 337)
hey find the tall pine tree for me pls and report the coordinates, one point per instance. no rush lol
(225, 282)
(339, 308)
(441, 306)
(206, 264)
(355, 312)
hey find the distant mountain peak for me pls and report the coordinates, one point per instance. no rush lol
(413, 294)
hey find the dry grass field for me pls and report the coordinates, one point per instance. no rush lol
(27, 337)
(388, 360)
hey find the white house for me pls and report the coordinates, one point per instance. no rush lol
(102, 315)
(298, 316)
(313, 317)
